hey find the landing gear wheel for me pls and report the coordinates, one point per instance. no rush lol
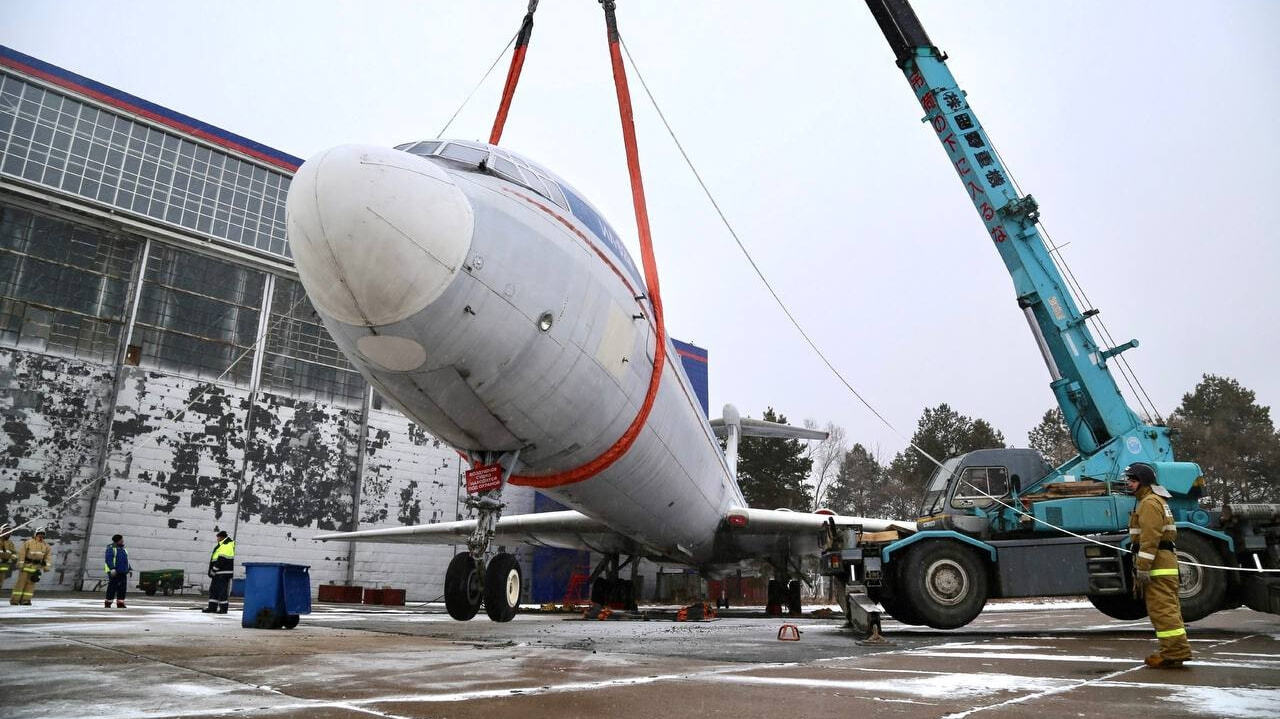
(502, 587)
(944, 584)
(151, 591)
(1201, 591)
(1119, 606)
(793, 598)
(463, 588)
(625, 594)
(773, 600)
(601, 589)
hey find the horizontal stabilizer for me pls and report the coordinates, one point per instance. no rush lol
(761, 428)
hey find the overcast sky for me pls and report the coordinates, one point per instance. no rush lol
(1146, 130)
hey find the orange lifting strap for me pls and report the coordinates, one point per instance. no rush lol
(513, 74)
(628, 437)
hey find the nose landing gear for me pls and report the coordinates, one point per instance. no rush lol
(474, 578)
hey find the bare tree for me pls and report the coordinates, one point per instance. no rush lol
(825, 455)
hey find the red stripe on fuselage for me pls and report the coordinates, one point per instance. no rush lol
(691, 355)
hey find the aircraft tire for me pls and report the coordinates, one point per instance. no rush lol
(463, 588)
(502, 587)
(1201, 591)
(1124, 607)
(944, 584)
(600, 591)
(794, 604)
(773, 599)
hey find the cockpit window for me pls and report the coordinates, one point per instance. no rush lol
(425, 148)
(507, 169)
(462, 153)
(516, 169)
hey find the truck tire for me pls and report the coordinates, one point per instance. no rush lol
(944, 584)
(1201, 591)
(894, 605)
(1119, 606)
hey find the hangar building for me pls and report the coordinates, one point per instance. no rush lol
(142, 255)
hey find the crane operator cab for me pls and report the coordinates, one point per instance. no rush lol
(970, 492)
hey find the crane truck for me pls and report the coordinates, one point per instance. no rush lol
(1003, 522)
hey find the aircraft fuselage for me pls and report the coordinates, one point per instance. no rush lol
(489, 302)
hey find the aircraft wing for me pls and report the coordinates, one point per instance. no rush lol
(563, 530)
(764, 532)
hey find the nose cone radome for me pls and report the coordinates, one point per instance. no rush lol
(377, 234)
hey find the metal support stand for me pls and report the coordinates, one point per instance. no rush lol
(863, 616)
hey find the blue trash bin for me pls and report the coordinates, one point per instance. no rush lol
(237, 587)
(275, 594)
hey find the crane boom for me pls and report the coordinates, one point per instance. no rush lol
(1092, 406)
(983, 531)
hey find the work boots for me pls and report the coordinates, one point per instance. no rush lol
(209, 610)
(119, 604)
(107, 604)
(222, 610)
(1157, 661)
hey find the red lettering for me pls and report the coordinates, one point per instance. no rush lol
(987, 211)
(929, 102)
(916, 80)
(950, 143)
(974, 190)
(939, 123)
(962, 166)
(998, 234)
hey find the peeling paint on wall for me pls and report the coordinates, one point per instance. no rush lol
(302, 464)
(53, 410)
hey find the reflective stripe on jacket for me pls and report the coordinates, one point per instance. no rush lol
(222, 559)
(8, 553)
(1150, 524)
(34, 555)
(117, 558)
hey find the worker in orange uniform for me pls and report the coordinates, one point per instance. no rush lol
(1151, 534)
(8, 554)
(34, 558)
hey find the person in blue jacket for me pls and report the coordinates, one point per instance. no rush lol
(117, 568)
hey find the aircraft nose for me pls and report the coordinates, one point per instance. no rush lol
(377, 234)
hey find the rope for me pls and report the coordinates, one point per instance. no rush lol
(760, 273)
(1091, 540)
(496, 60)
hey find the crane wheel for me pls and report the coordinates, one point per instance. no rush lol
(943, 584)
(1201, 591)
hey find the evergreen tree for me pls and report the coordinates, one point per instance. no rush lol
(773, 472)
(1222, 428)
(858, 488)
(1052, 438)
(943, 433)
